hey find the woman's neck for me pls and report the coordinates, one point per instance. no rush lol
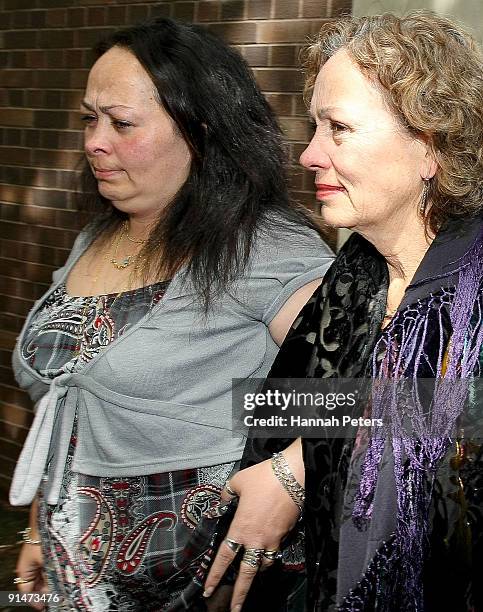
(139, 228)
(403, 243)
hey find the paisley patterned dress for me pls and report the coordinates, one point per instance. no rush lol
(118, 544)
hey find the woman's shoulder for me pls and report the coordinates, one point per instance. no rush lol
(282, 238)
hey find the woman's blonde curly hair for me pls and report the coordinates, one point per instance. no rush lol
(430, 73)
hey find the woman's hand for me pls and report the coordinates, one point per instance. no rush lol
(29, 567)
(264, 516)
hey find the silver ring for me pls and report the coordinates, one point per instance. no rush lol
(19, 580)
(229, 490)
(273, 555)
(253, 557)
(233, 545)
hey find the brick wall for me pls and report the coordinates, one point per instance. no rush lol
(44, 59)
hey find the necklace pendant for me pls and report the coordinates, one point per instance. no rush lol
(121, 265)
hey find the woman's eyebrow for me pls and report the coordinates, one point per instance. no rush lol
(104, 109)
(325, 111)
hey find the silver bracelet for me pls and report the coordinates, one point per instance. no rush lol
(282, 471)
(26, 539)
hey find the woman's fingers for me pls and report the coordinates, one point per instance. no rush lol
(228, 492)
(224, 557)
(246, 575)
(252, 561)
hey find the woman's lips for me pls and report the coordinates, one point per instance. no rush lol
(105, 173)
(326, 190)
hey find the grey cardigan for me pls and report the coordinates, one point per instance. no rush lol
(159, 397)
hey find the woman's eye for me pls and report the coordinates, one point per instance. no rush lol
(88, 119)
(121, 125)
(337, 128)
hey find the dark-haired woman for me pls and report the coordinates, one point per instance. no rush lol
(189, 276)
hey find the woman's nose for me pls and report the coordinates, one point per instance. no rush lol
(96, 140)
(315, 156)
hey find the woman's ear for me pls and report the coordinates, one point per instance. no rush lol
(429, 165)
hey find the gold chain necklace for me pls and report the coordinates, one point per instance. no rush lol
(125, 261)
(126, 233)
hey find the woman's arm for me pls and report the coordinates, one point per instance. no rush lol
(30, 563)
(283, 320)
(264, 516)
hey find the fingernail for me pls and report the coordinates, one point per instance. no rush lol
(207, 592)
(237, 608)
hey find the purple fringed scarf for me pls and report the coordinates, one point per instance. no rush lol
(416, 457)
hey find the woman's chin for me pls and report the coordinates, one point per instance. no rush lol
(336, 218)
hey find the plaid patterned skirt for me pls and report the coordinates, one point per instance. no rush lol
(132, 544)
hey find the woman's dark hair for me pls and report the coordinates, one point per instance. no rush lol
(237, 182)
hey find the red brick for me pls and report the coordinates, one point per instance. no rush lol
(96, 16)
(89, 37)
(283, 55)
(236, 32)
(72, 99)
(285, 31)
(37, 59)
(18, 59)
(259, 9)
(10, 5)
(15, 155)
(341, 8)
(285, 9)
(22, 288)
(256, 55)
(116, 15)
(5, 356)
(56, 18)
(11, 451)
(11, 395)
(38, 18)
(76, 17)
(314, 8)
(75, 58)
(297, 150)
(55, 39)
(7, 340)
(160, 10)
(16, 78)
(13, 137)
(184, 10)
(296, 128)
(52, 198)
(277, 79)
(20, 19)
(15, 415)
(56, 159)
(31, 252)
(6, 23)
(300, 107)
(17, 116)
(208, 10)
(23, 269)
(20, 39)
(15, 305)
(50, 236)
(281, 103)
(51, 119)
(15, 193)
(232, 9)
(50, 79)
